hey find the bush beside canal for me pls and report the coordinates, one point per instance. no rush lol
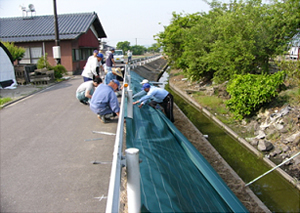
(274, 130)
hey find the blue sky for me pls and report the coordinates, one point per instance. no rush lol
(135, 21)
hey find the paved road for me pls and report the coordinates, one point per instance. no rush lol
(45, 160)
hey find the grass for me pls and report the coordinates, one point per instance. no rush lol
(4, 100)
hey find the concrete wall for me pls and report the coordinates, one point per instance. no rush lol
(152, 70)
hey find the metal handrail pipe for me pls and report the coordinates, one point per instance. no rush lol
(113, 197)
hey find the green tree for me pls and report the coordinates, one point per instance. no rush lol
(124, 45)
(172, 39)
(138, 50)
(154, 48)
(16, 52)
(235, 38)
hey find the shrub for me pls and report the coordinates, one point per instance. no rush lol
(249, 92)
(43, 63)
(59, 70)
(292, 69)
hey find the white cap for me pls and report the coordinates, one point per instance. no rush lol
(144, 81)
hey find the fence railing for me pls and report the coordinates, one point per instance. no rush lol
(141, 61)
(131, 159)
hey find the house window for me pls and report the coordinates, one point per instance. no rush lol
(76, 55)
(32, 55)
(82, 54)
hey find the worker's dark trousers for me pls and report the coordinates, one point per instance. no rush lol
(167, 104)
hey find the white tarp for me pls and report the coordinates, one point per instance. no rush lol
(7, 71)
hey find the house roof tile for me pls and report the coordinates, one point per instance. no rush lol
(40, 28)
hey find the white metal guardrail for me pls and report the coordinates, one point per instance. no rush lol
(140, 61)
(113, 198)
(133, 179)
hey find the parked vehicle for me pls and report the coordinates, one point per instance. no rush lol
(119, 56)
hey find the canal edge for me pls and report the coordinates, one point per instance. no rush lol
(230, 169)
(233, 134)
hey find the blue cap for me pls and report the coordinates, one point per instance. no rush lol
(116, 82)
(100, 55)
(95, 51)
(111, 49)
(146, 85)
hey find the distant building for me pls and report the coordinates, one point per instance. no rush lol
(79, 35)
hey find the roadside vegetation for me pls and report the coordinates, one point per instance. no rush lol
(16, 52)
(59, 70)
(4, 100)
(137, 49)
(239, 43)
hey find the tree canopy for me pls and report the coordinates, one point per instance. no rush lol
(235, 38)
(16, 52)
(137, 49)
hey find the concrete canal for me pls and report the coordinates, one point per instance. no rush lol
(275, 192)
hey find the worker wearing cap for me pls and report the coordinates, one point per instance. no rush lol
(142, 93)
(110, 62)
(113, 75)
(159, 94)
(90, 69)
(95, 52)
(104, 101)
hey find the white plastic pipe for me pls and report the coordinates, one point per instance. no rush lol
(133, 180)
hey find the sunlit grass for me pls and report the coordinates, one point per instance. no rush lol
(4, 100)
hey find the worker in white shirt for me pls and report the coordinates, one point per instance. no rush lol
(90, 69)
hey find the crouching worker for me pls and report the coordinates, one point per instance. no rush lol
(85, 91)
(105, 102)
(159, 94)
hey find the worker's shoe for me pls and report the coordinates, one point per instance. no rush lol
(109, 116)
(102, 118)
(84, 102)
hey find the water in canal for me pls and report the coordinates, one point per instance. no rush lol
(275, 192)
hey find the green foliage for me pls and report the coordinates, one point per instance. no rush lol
(154, 48)
(123, 45)
(43, 63)
(172, 40)
(16, 52)
(59, 70)
(5, 100)
(292, 69)
(138, 50)
(249, 92)
(235, 38)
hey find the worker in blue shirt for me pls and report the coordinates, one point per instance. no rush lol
(104, 101)
(142, 93)
(159, 94)
(113, 75)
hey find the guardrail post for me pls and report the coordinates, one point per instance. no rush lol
(133, 180)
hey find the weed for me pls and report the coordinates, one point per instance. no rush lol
(4, 100)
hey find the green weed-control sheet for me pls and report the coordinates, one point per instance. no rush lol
(175, 177)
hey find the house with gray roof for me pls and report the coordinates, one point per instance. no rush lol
(79, 35)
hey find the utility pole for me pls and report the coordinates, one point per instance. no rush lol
(135, 41)
(56, 48)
